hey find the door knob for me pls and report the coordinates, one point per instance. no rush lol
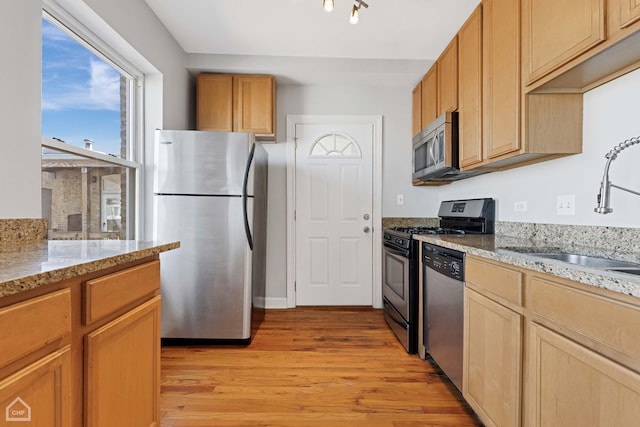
(365, 216)
(366, 229)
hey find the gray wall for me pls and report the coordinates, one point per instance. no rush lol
(20, 109)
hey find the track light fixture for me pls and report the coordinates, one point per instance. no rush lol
(355, 11)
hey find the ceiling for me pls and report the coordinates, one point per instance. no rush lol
(389, 31)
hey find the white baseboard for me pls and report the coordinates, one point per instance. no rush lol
(273, 302)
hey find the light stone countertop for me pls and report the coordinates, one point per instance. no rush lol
(28, 265)
(496, 247)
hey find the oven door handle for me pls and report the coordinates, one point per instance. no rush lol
(392, 313)
(399, 252)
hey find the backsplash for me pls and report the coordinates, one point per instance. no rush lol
(409, 222)
(614, 239)
(23, 230)
(606, 239)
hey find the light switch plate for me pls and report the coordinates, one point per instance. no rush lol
(400, 199)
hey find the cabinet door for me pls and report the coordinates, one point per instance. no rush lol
(40, 394)
(629, 12)
(215, 102)
(416, 109)
(448, 78)
(555, 32)
(574, 386)
(430, 96)
(254, 104)
(501, 77)
(492, 372)
(122, 370)
(470, 90)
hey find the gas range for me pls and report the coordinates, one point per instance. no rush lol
(400, 263)
(474, 216)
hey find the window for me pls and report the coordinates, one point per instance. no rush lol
(89, 168)
(335, 145)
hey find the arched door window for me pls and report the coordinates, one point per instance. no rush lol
(335, 145)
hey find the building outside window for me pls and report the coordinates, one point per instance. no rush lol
(89, 134)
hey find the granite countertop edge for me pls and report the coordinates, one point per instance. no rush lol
(23, 264)
(495, 247)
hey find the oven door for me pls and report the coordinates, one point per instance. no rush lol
(395, 283)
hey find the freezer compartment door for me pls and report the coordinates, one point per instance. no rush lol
(206, 283)
(197, 162)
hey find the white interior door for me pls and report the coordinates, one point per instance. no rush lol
(333, 213)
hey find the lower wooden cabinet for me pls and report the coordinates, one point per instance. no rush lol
(39, 395)
(86, 354)
(541, 351)
(492, 379)
(122, 370)
(571, 385)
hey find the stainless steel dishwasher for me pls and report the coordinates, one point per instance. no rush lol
(443, 275)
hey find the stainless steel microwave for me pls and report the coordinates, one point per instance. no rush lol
(435, 151)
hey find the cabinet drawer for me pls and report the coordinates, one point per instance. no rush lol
(500, 281)
(612, 323)
(30, 325)
(107, 294)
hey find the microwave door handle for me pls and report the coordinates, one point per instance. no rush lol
(432, 149)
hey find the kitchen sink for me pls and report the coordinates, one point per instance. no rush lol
(635, 271)
(583, 260)
(587, 260)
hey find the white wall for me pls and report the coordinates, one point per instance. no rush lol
(20, 30)
(611, 115)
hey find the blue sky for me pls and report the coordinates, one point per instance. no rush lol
(80, 93)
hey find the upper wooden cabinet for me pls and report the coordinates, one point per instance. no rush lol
(430, 96)
(520, 128)
(501, 77)
(629, 12)
(215, 102)
(470, 90)
(577, 45)
(448, 78)
(254, 104)
(554, 32)
(416, 108)
(236, 103)
(438, 90)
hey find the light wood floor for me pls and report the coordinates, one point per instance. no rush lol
(309, 367)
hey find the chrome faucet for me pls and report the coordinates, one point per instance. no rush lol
(606, 184)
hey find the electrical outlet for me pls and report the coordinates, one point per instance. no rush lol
(566, 205)
(400, 199)
(520, 206)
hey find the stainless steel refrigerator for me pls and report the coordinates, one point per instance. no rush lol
(210, 193)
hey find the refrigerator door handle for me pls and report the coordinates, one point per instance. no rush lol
(245, 183)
